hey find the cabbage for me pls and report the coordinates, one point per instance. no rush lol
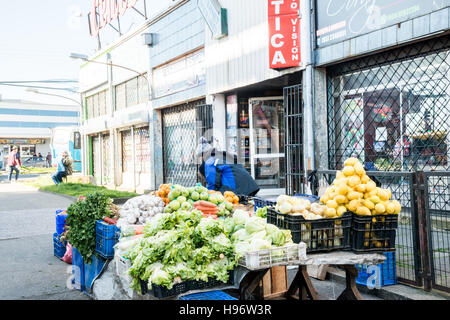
(228, 226)
(255, 224)
(270, 228)
(241, 248)
(258, 235)
(240, 235)
(161, 278)
(240, 217)
(278, 238)
(259, 244)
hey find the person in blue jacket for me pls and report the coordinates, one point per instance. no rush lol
(223, 173)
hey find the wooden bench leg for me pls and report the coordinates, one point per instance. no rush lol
(303, 283)
(250, 282)
(351, 292)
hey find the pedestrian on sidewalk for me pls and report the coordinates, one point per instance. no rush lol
(14, 163)
(49, 160)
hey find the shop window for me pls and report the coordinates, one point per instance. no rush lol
(392, 115)
(121, 102)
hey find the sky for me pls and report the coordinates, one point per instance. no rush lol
(37, 37)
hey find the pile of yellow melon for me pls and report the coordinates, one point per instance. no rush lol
(353, 190)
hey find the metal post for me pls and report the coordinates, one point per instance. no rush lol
(307, 34)
(423, 233)
(133, 154)
(112, 108)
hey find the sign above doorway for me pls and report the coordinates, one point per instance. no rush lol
(284, 33)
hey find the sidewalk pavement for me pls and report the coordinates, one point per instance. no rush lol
(393, 292)
(29, 270)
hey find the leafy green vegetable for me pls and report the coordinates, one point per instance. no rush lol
(81, 217)
(255, 224)
(181, 246)
(261, 212)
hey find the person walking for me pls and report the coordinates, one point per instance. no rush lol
(14, 163)
(49, 160)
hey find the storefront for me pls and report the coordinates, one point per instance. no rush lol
(254, 89)
(389, 109)
(178, 94)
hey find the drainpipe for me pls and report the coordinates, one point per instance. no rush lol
(112, 144)
(307, 29)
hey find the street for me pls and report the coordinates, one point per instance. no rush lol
(29, 270)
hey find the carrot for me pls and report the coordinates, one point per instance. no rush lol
(205, 204)
(109, 220)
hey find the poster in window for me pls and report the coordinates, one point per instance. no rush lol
(353, 126)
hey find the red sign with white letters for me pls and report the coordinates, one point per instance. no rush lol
(284, 33)
(106, 10)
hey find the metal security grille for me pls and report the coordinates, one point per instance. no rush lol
(391, 111)
(106, 159)
(293, 115)
(437, 200)
(142, 138)
(127, 151)
(96, 159)
(182, 127)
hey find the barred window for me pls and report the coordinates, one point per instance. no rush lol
(121, 102)
(392, 115)
(132, 92)
(96, 105)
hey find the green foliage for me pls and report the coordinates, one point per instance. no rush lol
(182, 246)
(81, 218)
(84, 189)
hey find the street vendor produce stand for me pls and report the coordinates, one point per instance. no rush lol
(302, 281)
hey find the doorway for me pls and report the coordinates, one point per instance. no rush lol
(267, 158)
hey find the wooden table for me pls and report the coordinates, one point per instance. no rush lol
(302, 281)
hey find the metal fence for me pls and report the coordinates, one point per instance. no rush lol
(182, 128)
(391, 110)
(423, 234)
(437, 205)
(293, 115)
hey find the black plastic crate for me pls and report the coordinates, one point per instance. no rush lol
(322, 235)
(374, 233)
(179, 288)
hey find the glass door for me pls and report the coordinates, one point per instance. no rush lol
(267, 144)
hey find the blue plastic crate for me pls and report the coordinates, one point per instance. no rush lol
(210, 295)
(59, 248)
(261, 203)
(309, 197)
(106, 237)
(77, 270)
(91, 271)
(384, 275)
(60, 221)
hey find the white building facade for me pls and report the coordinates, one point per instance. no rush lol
(28, 125)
